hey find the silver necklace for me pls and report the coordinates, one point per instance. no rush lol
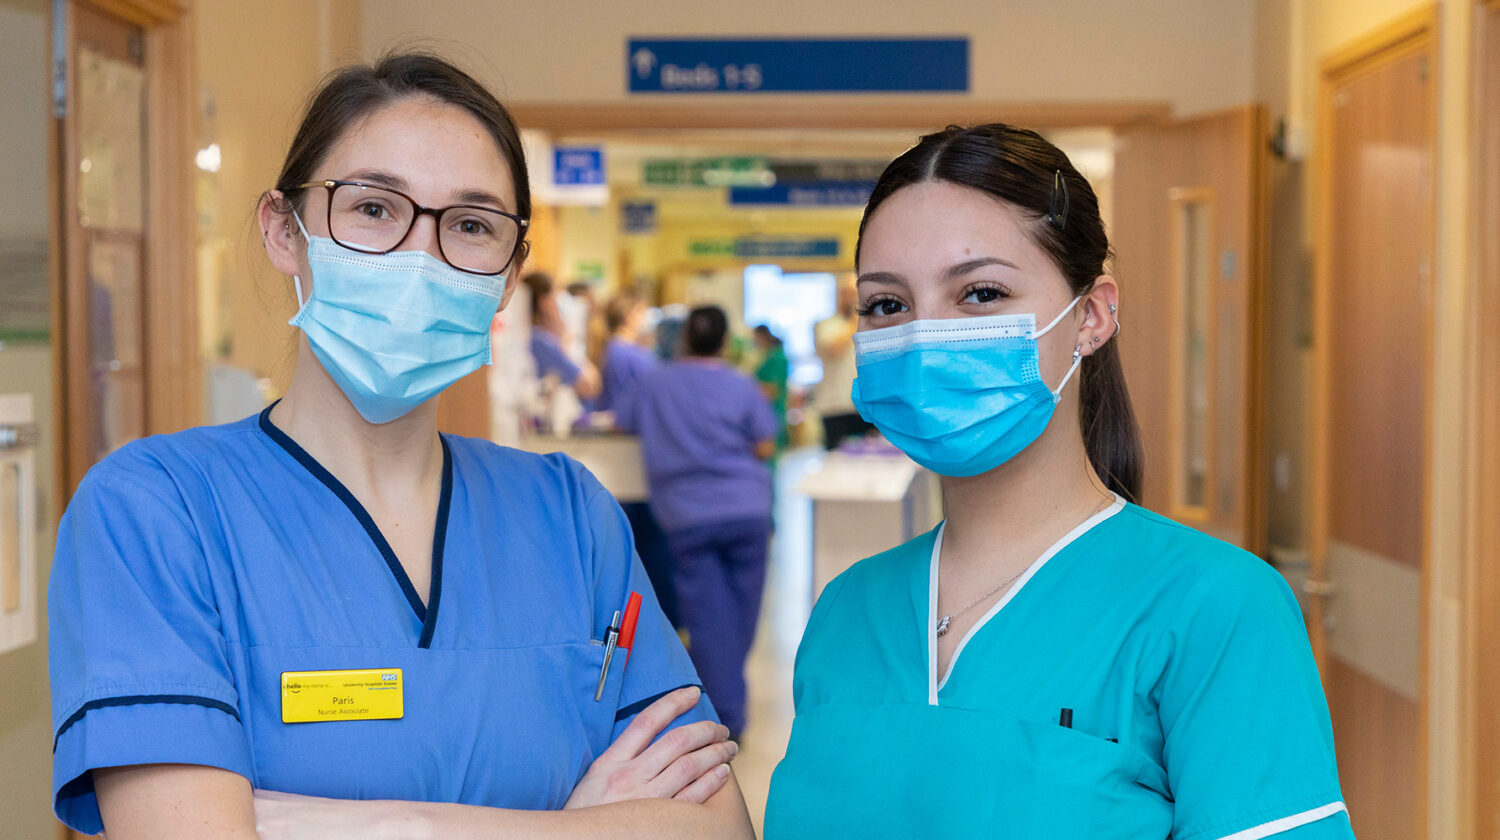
(943, 622)
(942, 625)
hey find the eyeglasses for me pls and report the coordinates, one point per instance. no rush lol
(375, 220)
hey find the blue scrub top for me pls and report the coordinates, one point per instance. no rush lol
(193, 569)
(1196, 709)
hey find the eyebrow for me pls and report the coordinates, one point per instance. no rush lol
(381, 178)
(971, 265)
(956, 270)
(878, 277)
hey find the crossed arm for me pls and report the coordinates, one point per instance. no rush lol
(678, 787)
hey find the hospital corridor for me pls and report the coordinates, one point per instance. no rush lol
(1061, 421)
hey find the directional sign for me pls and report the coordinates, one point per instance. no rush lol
(765, 247)
(706, 172)
(754, 65)
(809, 194)
(574, 166)
(638, 216)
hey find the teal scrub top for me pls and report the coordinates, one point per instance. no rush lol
(1196, 709)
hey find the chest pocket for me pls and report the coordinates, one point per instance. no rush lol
(1071, 784)
(505, 727)
(903, 771)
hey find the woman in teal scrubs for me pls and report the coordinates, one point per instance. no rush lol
(1052, 661)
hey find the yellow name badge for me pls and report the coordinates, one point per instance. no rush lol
(308, 696)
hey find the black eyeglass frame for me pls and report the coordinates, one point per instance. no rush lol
(436, 213)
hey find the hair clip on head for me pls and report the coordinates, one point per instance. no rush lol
(1057, 212)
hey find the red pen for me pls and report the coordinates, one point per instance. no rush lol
(627, 626)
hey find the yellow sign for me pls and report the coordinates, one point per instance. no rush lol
(308, 696)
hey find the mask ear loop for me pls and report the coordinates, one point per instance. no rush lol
(1069, 308)
(297, 279)
(1077, 360)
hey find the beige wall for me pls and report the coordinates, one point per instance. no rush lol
(257, 63)
(25, 710)
(1195, 54)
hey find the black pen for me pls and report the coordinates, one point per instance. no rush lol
(611, 636)
(1065, 719)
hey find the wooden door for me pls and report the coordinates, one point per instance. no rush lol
(1189, 230)
(1375, 214)
(129, 347)
(1485, 650)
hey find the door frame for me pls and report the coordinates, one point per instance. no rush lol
(1415, 31)
(171, 364)
(1483, 630)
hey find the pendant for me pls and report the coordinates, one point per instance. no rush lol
(943, 624)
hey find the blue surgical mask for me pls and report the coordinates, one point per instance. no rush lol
(394, 330)
(960, 396)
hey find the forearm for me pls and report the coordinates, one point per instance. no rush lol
(167, 801)
(723, 816)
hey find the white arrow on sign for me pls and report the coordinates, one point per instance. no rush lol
(645, 61)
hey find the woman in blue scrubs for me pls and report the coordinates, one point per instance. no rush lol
(398, 632)
(1052, 661)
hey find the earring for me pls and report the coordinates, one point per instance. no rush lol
(1096, 340)
(1077, 352)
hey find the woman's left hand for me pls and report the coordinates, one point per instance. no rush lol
(290, 816)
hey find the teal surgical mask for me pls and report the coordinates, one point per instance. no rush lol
(394, 330)
(960, 396)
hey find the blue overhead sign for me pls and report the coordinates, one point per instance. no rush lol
(830, 65)
(761, 247)
(808, 194)
(578, 166)
(771, 248)
(638, 216)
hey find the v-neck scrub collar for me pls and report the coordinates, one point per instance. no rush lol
(930, 627)
(426, 613)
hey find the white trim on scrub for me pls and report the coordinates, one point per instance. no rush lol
(1287, 823)
(933, 685)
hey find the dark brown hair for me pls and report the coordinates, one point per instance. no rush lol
(357, 91)
(705, 330)
(1018, 167)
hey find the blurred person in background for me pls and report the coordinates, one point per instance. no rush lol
(550, 340)
(772, 373)
(668, 332)
(623, 361)
(706, 432)
(835, 342)
(579, 312)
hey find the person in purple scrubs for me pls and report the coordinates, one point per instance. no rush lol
(547, 340)
(623, 364)
(625, 360)
(706, 431)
